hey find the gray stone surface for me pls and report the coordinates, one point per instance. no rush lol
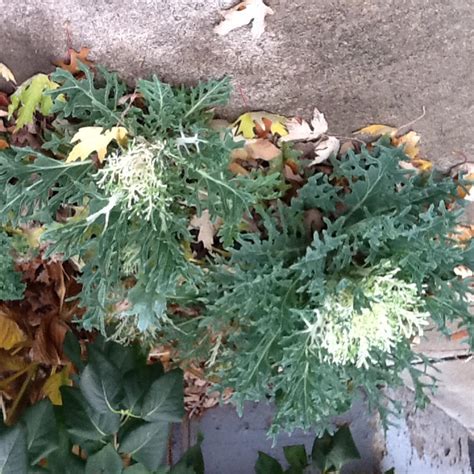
(426, 441)
(231, 444)
(358, 61)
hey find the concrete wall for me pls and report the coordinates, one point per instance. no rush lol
(359, 61)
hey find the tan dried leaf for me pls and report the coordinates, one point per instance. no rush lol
(206, 229)
(262, 149)
(242, 14)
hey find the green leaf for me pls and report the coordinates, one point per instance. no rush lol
(13, 453)
(30, 97)
(82, 421)
(41, 430)
(91, 104)
(140, 469)
(296, 457)
(63, 460)
(267, 465)
(106, 461)
(334, 451)
(192, 461)
(164, 399)
(137, 382)
(72, 349)
(146, 443)
(100, 383)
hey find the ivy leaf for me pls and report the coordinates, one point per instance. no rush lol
(10, 333)
(82, 421)
(267, 465)
(137, 382)
(41, 431)
(164, 400)
(100, 383)
(146, 443)
(95, 140)
(13, 454)
(334, 451)
(141, 469)
(72, 349)
(63, 456)
(192, 461)
(106, 461)
(31, 97)
(296, 457)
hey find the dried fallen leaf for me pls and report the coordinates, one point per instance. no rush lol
(206, 229)
(376, 130)
(260, 125)
(95, 140)
(10, 332)
(6, 73)
(242, 14)
(51, 387)
(10, 362)
(30, 97)
(410, 142)
(74, 57)
(324, 149)
(262, 149)
(458, 335)
(464, 233)
(299, 129)
(3, 144)
(463, 271)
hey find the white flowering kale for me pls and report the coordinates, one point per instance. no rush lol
(127, 222)
(135, 179)
(306, 319)
(341, 334)
(281, 312)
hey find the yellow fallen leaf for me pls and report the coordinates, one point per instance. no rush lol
(10, 333)
(466, 191)
(260, 125)
(410, 142)
(6, 73)
(95, 140)
(377, 129)
(33, 235)
(423, 165)
(10, 362)
(51, 387)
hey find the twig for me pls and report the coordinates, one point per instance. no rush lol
(352, 139)
(243, 96)
(399, 129)
(463, 162)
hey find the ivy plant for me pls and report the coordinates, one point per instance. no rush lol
(115, 418)
(329, 454)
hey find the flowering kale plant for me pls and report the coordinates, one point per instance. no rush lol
(303, 281)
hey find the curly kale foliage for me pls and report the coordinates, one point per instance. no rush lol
(11, 286)
(128, 226)
(281, 289)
